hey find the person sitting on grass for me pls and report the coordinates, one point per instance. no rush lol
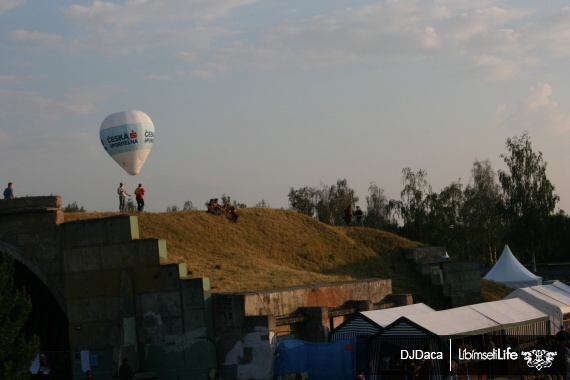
(232, 212)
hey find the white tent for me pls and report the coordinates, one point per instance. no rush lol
(472, 320)
(509, 271)
(552, 299)
(373, 321)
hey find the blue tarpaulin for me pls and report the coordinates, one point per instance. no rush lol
(322, 361)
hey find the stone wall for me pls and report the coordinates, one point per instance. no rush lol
(124, 301)
(248, 325)
(29, 230)
(458, 281)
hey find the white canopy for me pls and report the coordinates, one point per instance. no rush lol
(552, 299)
(470, 320)
(509, 271)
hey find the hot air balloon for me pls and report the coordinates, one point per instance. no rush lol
(128, 137)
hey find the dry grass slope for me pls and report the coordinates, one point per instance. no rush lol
(270, 248)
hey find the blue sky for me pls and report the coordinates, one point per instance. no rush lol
(250, 98)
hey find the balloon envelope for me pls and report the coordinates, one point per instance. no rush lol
(128, 137)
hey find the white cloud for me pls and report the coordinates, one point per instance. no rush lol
(5, 139)
(495, 69)
(550, 34)
(159, 77)
(9, 79)
(6, 5)
(44, 40)
(540, 112)
(39, 109)
(187, 56)
(390, 30)
(202, 73)
(144, 12)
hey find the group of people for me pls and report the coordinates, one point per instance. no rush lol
(139, 196)
(349, 214)
(215, 208)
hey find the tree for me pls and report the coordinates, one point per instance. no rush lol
(228, 199)
(172, 208)
(188, 206)
(73, 207)
(130, 206)
(262, 203)
(443, 225)
(16, 351)
(303, 200)
(377, 209)
(413, 206)
(480, 212)
(528, 196)
(332, 200)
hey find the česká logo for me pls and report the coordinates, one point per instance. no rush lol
(539, 359)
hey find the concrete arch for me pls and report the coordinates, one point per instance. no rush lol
(33, 266)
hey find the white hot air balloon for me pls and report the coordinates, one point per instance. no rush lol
(128, 137)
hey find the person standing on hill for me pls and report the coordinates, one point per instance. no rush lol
(139, 193)
(359, 216)
(122, 196)
(9, 192)
(348, 215)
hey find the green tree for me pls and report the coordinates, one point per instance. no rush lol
(528, 196)
(73, 207)
(130, 206)
(227, 199)
(413, 206)
(480, 212)
(443, 227)
(172, 208)
(16, 350)
(303, 200)
(378, 213)
(262, 203)
(188, 206)
(332, 200)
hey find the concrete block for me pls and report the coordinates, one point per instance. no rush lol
(86, 310)
(72, 259)
(122, 229)
(91, 258)
(111, 256)
(157, 278)
(182, 270)
(112, 308)
(164, 304)
(93, 283)
(28, 239)
(71, 233)
(148, 251)
(52, 201)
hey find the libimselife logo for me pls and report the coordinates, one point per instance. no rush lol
(538, 359)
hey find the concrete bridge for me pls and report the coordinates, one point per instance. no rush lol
(100, 293)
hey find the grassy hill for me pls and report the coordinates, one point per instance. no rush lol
(270, 248)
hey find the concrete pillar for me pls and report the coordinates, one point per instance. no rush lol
(316, 328)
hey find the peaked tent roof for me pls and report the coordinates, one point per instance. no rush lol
(509, 271)
(469, 320)
(371, 322)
